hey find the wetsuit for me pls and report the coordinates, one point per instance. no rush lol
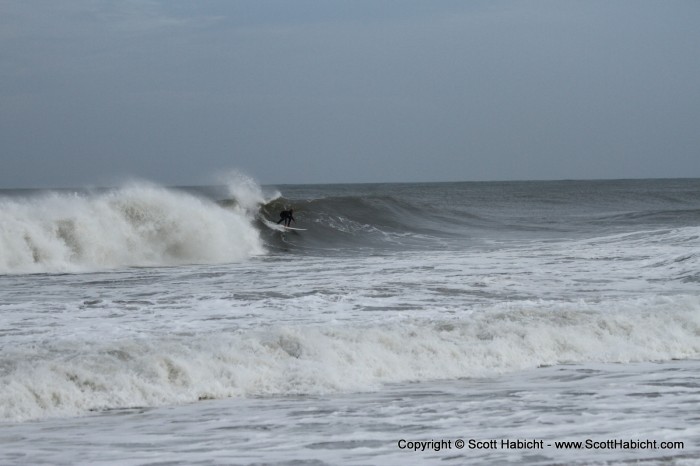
(286, 217)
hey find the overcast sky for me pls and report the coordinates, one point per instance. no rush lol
(324, 91)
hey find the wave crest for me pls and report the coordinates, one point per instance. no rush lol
(73, 377)
(137, 225)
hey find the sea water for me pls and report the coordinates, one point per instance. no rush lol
(528, 322)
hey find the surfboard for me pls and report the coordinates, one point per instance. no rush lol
(277, 227)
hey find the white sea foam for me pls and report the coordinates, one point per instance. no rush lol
(608, 303)
(68, 377)
(139, 224)
(248, 194)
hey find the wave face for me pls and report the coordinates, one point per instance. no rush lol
(147, 225)
(458, 215)
(138, 225)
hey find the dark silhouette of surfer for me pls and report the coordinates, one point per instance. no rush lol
(287, 217)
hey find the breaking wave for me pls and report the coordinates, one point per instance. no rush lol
(147, 225)
(62, 378)
(136, 225)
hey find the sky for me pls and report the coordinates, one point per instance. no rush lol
(93, 92)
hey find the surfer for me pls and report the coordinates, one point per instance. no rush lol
(287, 217)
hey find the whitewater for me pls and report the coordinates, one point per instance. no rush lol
(145, 324)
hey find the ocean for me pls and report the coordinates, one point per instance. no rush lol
(538, 323)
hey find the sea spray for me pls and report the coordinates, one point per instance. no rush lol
(246, 195)
(136, 225)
